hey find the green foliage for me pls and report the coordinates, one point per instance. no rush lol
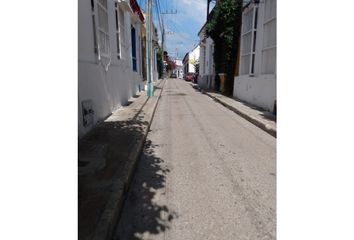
(195, 63)
(224, 27)
(159, 61)
(196, 67)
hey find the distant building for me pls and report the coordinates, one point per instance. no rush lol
(185, 62)
(190, 59)
(179, 68)
(256, 82)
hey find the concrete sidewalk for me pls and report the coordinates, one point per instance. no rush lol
(263, 119)
(107, 159)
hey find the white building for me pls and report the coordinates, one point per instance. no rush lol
(190, 59)
(179, 68)
(110, 58)
(256, 82)
(206, 61)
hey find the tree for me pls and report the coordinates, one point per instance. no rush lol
(160, 61)
(224, 26)
(196, 67)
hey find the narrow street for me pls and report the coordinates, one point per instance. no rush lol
(204, 173)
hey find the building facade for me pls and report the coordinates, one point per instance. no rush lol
(256, 83)
(110, 58)
(185, 62)
(179, 68)
(190, 59)
(206, 61)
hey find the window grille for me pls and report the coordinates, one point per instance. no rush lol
(211, 60)
(117, 30)
(249, 37)
(94, 26)
(269, 38)
(138, 54)
(103, 32)
(204, 58)
(133, 38)
(121, 32)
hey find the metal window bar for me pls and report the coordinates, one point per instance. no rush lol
(254, 26)
(269, 44)
(133, 40)
(102, 28)
(269, 20)
(117, 31)
(269, 48)
(121, 32)
(95, 45)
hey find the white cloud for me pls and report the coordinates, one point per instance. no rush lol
(191, 15)
(193, 9)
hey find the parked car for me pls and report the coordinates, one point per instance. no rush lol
(189, 77)
(173, 75)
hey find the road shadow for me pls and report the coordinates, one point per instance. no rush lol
(143, 216)
(176, 94)
(102, 159)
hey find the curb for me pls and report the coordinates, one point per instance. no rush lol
(134, 157)
(251, 119)
(119, 190)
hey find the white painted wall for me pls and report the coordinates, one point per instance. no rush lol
(194, 55)
(110, 89)
(191, 68)
(206, 63)
(260, 91)
(258, 87)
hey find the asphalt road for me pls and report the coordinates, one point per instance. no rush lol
(205, 173)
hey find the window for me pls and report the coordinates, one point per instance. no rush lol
(249, 36)
(204, 58)
(121, 32)
(139, 55)
(117, 31)
(133, 37)
(94, 26)
(269, 38)
(211, 61)
(103, 32)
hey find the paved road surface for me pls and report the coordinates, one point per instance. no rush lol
(205, 173)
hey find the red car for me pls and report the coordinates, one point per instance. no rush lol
(189, 77)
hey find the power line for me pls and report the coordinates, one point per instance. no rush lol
(162, 27)
(158, 15)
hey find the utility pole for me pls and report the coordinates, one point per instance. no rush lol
(163, 40)
(148, 47)
(163, 55)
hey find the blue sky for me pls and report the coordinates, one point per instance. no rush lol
(181, 28)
